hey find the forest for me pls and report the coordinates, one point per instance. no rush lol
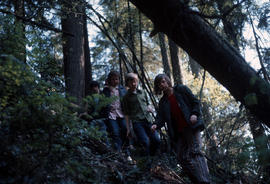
(51, 51)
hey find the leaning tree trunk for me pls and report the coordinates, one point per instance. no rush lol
(73, 49)
(215, 54)
(164, 55)
(176, 68)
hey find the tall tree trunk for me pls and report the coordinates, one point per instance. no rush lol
(88, 66)
(141, 40)
(215, 54)
(164, 55)
(141, 43)
(141, 61)
(74, 50)
(176, 68)
(20, 51)
(131, 37)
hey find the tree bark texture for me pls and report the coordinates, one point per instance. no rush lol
(74, 53)
(164, 55)
(131, 37)
(176, 68)
(20, 51)
(88, 66)
(211, 51)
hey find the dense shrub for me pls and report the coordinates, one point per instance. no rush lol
(40, 132)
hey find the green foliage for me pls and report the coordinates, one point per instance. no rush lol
(40, 132)
(264, 16)
(11, 37)
(96, 105)
(45, 57)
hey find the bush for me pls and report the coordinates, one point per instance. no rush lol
(40, 132)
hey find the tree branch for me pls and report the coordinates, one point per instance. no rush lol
(25, 20)
(217, 16)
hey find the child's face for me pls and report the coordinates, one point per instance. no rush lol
(132, 84)
(114, 81)
(95, 90)
(163, 85)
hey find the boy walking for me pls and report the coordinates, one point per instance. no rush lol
(180, 109)
(135, 109)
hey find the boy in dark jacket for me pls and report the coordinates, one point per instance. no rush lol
(179, 108)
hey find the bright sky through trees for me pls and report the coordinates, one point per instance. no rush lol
(250, 53)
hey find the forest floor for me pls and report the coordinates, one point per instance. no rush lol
(133, 168)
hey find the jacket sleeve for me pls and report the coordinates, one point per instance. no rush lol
(146, 98)
(106, 110)
(122, 91)
(193, 101)
(124, 105)
(159, 121)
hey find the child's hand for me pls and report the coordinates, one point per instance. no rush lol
(150, 109)
(193, 119)
(153, 128)
(128, 133)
